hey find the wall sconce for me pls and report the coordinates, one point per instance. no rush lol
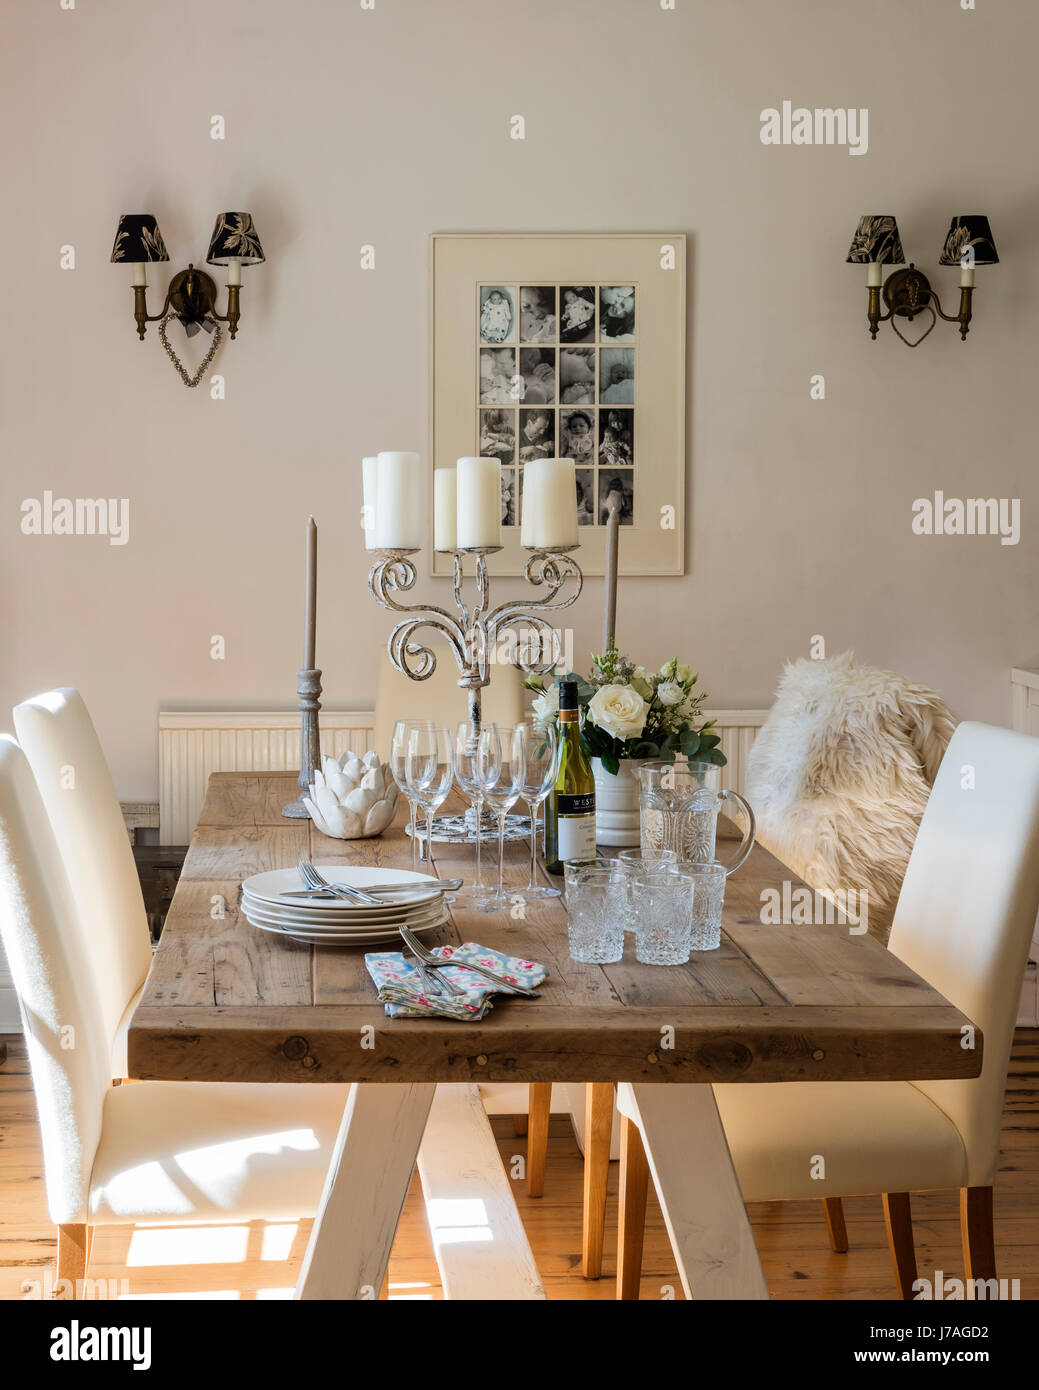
(191, 296)
(908, 292)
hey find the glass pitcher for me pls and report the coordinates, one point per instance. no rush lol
(678, 810)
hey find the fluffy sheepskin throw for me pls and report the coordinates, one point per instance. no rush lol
(840, 774)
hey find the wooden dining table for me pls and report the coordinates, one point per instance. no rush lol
(227, 1002)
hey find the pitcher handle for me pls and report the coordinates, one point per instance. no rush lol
(749, 830)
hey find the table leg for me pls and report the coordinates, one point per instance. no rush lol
(696, 1184)
(367, 1182)
(597, 1132)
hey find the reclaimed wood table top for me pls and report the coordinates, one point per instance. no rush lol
(227, 1002)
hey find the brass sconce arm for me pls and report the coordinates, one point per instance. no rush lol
(140, 309)
(232, 315)
(876, 318)
(908, 293)
(963, 318)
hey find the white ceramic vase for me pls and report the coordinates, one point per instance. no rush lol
(617, 803)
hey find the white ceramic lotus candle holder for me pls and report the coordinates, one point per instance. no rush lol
(351, 797)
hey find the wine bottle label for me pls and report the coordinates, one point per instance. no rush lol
(576, 837)
(576, 825)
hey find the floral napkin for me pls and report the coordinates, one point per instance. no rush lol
(401, 989)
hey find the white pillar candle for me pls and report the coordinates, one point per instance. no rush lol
(398, 502)
(370, 476)
(140, 273)
(234, 271)
(478, 502)
(966, 276)
(549, 518)
(445, 509)
(874, 274)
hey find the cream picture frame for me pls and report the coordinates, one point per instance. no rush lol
(467, 404)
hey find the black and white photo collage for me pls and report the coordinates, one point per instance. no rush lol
(556, 379)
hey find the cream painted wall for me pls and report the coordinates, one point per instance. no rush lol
(346, 127)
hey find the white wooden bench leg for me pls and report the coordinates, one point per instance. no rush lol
(478, 1237)
(367, 1182)
(697, 1187)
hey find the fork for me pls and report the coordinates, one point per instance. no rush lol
(438, 963)
(440, 885)
(313, 879)
(441, 981)
(431, 984)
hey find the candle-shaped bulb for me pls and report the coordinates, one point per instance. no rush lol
(874, 274)
(234, 271)
(140, 273)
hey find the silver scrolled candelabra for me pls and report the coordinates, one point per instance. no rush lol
(474, 632)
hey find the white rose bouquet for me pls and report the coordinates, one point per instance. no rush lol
(629, 712)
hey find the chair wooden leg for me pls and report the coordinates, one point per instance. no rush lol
(899, 1222)
(73, 1253)
(835, 1227)
(631, 1217)
(979, 1237)
(519, 1125)
(597, 1133)
(539, 1106)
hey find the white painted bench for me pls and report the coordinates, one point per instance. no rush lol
(480, 1244)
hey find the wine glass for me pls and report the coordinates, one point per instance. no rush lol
(429, 769)
(501, 794)
(534, 753)
(398, 756)
(477, 763)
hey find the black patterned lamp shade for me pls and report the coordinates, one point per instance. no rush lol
(235, 239)
(970, 232)
(137, 239)
(876, 239)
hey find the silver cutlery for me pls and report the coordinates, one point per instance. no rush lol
(443, 885)
(437, 963)
(313, 879)
(442, 982)
(430, 985)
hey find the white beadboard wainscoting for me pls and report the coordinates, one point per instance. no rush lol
(194, 743)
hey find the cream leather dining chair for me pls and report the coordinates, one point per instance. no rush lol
(58, 737)
(164, 1153)
(963, 922)
(440, 698)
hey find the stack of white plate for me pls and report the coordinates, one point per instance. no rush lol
(334, 921)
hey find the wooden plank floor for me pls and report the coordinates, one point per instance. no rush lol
(260, 1261)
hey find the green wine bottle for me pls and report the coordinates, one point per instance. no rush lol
(570, 808)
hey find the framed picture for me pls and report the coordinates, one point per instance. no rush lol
(567, 346)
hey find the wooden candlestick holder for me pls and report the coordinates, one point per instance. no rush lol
(308, 689)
